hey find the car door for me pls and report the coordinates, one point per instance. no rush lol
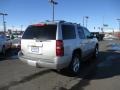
(88, 39)
(69, 38)
(82, 41)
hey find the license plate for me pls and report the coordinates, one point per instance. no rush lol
(35, 49)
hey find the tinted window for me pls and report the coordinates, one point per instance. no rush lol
(46, 32)
(81, 33)
(68, 32)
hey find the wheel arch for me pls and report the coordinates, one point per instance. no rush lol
(78, 50)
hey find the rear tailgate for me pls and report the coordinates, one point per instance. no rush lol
(39, 49)
(39, 41)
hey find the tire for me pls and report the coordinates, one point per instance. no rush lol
(95, 54)
(75, 64)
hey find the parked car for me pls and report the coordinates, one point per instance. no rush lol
(110, 37)
(57, 45)
(98, 35)
(5, 43)
(16, 43)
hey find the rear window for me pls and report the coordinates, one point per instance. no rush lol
(45, 32)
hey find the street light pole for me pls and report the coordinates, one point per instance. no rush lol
(53, 5)
(86, 20)
(21, 27)
(53, 12)
(4, 23)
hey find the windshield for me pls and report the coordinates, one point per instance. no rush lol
(46, 32)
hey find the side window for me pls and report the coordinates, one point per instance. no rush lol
(81, 33)
(87, 33)
(68, 32)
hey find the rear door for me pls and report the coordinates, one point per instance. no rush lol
(69, 38)
(40, 41)
(82, 41)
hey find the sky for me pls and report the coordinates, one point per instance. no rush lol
(26, 12)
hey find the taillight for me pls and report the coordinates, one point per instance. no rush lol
(59, 48)
(39, 25)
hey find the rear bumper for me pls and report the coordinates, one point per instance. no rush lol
(55, 63)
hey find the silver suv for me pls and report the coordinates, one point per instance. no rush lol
(57, 45)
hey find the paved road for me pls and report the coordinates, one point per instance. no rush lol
(101, 74)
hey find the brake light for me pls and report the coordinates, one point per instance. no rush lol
(39, 25)
(59, 48)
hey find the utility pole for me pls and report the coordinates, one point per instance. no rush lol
(53, 9)
(21, 27)
(4, 23)
(102, 29)
(119, 27)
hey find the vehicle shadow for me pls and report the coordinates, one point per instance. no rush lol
(9, 54)
(109, 66)
(106, 66)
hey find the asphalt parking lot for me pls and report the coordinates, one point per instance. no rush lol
(100, 74)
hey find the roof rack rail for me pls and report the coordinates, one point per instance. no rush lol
(54, 20)
(47, 20)
(61, 21)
